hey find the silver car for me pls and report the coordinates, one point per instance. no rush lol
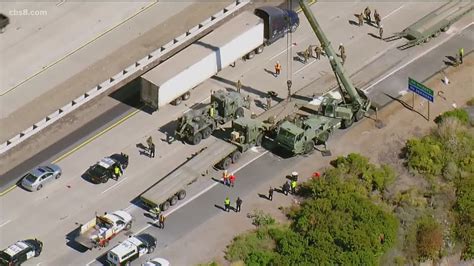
(38, 177)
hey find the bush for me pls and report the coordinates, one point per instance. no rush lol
(457, 113)
(470, 102)
(464, 210)
(259, 218)
(429, 238)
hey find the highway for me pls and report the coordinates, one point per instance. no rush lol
(71, 200)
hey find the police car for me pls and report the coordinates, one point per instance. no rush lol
(103, 170)
(20, 252)
(130, 249)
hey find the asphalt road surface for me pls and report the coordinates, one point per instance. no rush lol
(71, 200)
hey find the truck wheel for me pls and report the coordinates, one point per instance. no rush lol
(150, 250)
(165, 206)
(259, 49)
(182, 194)
(127, 263)
(176, 101)
(224, 164)
(173, 200)
(251, 55)
(258, 140)
(359, 115)
(186, 96)
(323, 137)
(206, 132)
(239, 112)
(196, 139)
(347, 123)
(308, 147)
(236, 156)
(128, 226)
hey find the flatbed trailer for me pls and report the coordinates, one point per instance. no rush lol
(431, 25)
(171, 188)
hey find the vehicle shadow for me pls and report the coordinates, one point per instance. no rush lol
(374, 35)
(354, 23)
(71, 242)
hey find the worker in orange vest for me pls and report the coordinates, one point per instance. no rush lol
(225, 177)
(277, 68)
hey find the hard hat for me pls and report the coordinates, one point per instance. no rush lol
(381, 26)
(278, 62)
(294, 173)
(340, 44)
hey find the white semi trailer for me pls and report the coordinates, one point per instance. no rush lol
(243, 36)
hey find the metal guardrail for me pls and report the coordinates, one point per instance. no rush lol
(123, 75)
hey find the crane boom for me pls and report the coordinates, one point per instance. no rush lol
(335, 64)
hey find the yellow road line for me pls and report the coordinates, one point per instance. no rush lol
(79, 48)
(84, 143)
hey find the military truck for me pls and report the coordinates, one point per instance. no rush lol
(431, 25)
(196, 125)
(245, 134)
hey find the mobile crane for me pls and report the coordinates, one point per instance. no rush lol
(329, 113)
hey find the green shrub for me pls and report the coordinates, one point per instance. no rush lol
(429, 238)
(458, 113)
(464, 210)
(470, 102)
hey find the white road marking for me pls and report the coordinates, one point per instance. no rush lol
(201, 192)
(415, 58)
(301, 69)
(286, 49)
(116, 184)
(393, 12)
(5, 223)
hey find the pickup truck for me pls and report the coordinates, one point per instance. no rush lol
(103, 170)
(98, 231)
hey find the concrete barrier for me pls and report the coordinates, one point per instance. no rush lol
(140, 65)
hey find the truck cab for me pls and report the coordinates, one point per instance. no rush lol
(277, 22)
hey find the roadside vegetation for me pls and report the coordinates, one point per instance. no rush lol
(359, 213)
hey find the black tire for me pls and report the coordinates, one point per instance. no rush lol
(173, 200)
(151, 249)
(58, 176)
(186, 96)
(176, 101)
(258, 140)
(166, 205)
(206, 132)
(182, 194)
(250, 55)
(236, 156)
(359, 115)
(106, 243)
(259, 49)
(105, 180)
(37, 253)
(239, 112)
(308, 147)
(128, 226)
(196, 139)
(224, 164)
(347, 123)
(39, 187)
(127, 263)
(293, 28)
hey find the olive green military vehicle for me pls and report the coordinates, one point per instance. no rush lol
(196, 125)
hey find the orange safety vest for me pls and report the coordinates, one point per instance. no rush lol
(278, 67)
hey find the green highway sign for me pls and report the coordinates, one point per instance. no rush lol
(420, 89)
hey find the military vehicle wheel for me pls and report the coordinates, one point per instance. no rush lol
(259, 49)
(176, 101)
(308, 147)
(173, 200)
(128, 226)
(251, 55)
(195, 139)
(182, 194)
(206, 132)
(236, 156)
(224, 164)
(186, 96)
(166, 205)
(239, 112)
(359, 115)
(323, 137)
(258, 140)
(446, 28)
(347, 123)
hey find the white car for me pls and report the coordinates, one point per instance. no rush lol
(157, 262)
